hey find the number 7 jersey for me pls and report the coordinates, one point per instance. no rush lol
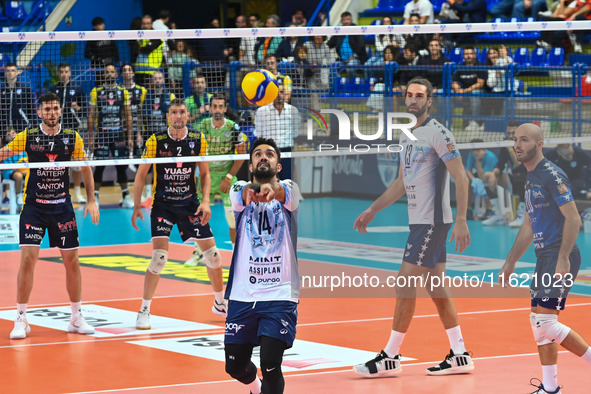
(264, 263)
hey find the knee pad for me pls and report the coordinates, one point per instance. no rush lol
(230, 217)
(538, 336)
(240, 373)
(212, 257)
(551, 328)
(159, 258)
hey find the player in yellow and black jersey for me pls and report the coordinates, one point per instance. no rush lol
(109, 109)
(175, 202)
(48, 208)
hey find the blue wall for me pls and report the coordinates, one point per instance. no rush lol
(116, 13)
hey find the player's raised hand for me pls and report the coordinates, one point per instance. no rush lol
(363, 220)
(137, 213)
(461, 235)
(205, 211)
(266, 193)
(92, 209)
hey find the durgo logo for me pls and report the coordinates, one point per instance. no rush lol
(345, 134)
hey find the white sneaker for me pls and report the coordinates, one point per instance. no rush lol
(495, 220)
(21, 329)
(381, 365)
(220, 309)
(520, 216)
(453, 364)
(78, 198)
(79, 325)
(19, 198)
(195, 259)
(127, 202)
(143, 320)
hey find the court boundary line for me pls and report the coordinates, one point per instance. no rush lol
(295, 374)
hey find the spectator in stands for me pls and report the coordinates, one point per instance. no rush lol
(511, 174)
(233, 44)
(299, 18)
(280, 121)
(302, 78)
(419, 41)
(246, 49)
(472, 12)
(150, 55)
(17, 102)
(319, 54)
(271, 65)
(266, 45)
(444, 41)
(381, 42)
(410, 57)
(17, 175)
(101, 52)
(435, 60)
(286, 49)
(198, 101)
(351, 49)
(576, 163)
(375, 102)
(518, 8)
(163, 21)
(136, 24)
(469, 79)
(178, 58)
(423, 8)
(254, 20)
(495, 81)
(479, 168)
(579, 10)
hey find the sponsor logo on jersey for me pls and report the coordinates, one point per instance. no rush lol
(562, 188)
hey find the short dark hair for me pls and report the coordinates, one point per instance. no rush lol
(421, 81)
(177, 101)
(257, 16)
(265, 141)
(128, 64)
(270, 54)
(346, 13)
(47, 97)
(513, 123)
(476, 140)
(469, 47)
(164, 14)
(63, 65)
(219, 96)
(11, 64)
(414, 14)
(97, 21)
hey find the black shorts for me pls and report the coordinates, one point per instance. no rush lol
(547, 290)
(163, 217)
(61, 227)
(426, 244)
(118, 150)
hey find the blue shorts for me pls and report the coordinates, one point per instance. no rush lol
(248, 321)
(164, 217)
(426, 244)
(61, 227)
(548, 291)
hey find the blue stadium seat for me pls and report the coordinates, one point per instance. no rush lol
(369, 82)
(343, 85)
(15, 10)
(556, 57)
(521, 56)
(538, 57)
(481, 57)
(357, 87)
(457, 55)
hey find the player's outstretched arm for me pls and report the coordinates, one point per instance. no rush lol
(138, 188)
(460, 232)
(523, 240)
(5, 153)
(570, 231)
(91, 207)
(389, 197)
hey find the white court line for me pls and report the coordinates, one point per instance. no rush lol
(295, 375)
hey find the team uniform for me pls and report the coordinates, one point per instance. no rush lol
(155, 109)
(263, 285)
(110, 137)
(69, 94)
(174, 191)
(222, 141)
(426, 181)
(47, 204)
(546, 189)
(137, 96)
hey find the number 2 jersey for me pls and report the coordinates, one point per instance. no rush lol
(264, 264)
(48, 187)
(174, 183)
(425, 176)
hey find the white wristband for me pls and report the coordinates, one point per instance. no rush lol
(229, 177)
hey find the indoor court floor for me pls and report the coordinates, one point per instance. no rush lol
(183, 353)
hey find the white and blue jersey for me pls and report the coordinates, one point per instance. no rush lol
(264, 263)
(425, 175)
(547, 188)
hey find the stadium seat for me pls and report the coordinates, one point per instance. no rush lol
(15, 10)
(521, 56)
(457, 55)
(481, 57)
(556, 57)
(343, 86)
(538, 57)
(357, 87)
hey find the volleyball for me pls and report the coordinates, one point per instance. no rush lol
(259, 87)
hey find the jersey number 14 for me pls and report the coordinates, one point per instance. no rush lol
(264, 224)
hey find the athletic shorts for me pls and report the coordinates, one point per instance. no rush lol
(61, 227)
(248, 321)
(548, 291)
(216, 180)
(118, 150)
(164, 217)
(426, 244)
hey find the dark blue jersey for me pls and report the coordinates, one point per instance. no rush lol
(546, 189)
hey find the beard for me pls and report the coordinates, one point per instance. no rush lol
(264, 173)
(419, 111)
(527, 155)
